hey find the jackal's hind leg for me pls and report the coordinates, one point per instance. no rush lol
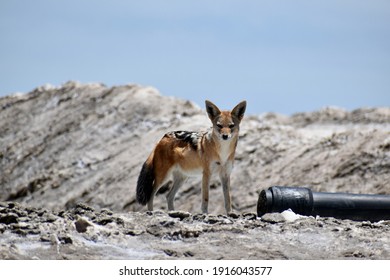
(150, 202)
(178, 180)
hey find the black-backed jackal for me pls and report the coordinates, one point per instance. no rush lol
(181, 154)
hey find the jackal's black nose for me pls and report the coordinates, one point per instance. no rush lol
(225, 136)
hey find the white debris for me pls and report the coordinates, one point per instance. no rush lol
(290, 216)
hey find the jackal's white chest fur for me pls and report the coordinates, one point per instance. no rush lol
(224, 151)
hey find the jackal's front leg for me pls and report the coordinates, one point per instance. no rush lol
(205, 190)
(225, 180)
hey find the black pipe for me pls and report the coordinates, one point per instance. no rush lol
(358, 207)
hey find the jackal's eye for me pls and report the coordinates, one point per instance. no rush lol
(219, 125)
(231, 126)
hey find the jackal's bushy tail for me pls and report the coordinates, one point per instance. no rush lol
(145, 183)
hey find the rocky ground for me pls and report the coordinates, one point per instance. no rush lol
(84, 233)
(70, 157)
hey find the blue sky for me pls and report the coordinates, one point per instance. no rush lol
(281, 56)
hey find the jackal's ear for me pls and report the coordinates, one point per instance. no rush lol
(239, 110)
(212, 110)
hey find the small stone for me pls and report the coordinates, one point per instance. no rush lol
(45, 238)
(211, 219)
(234, 215)
(82, 225)
(171, 253)
(198, 217)
(50, 218)
(9, 218)
(84, 207)
(250, 216)
(65, 239)
(179, 214)
(189, 254)
(12, 205)
(155, 213)
(354, 254)
(106, 212)
(33, 231)
(273, 218)
(120, 221)
(41, 212)
(134, 232)
(2, 228)
(104, 220)
(167, 224)
(21, 225)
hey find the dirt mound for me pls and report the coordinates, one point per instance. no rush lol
(62, 147)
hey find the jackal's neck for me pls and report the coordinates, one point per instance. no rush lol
(224, 148)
